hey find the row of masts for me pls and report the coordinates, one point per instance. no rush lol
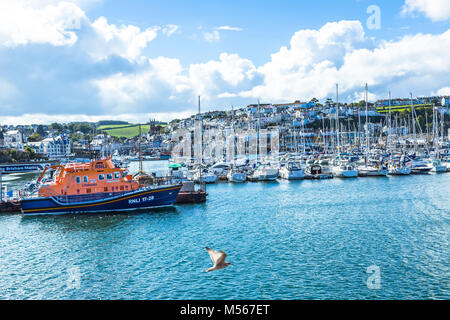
(368, 139)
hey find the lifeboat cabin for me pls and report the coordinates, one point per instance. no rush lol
(94, 178)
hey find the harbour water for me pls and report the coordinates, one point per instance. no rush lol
(287, 240)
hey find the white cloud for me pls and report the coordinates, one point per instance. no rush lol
(164, 79)
(309, 67)
(59, 23)
(156, 80)
(78, 75)
(170, 29)
(213, 76)
(436, 10)
(443, 92)
(211, 36)
(23, 22)
(39, 118)
(124, 41)
(337, 53)
(228, 28)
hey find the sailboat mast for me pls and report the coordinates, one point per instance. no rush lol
(337, 118)
(367, 122)
(388, 140)
(201, 143)
(140, 150)
(413, 122)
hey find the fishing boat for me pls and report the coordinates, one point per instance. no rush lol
(189, 194)
(97, 186)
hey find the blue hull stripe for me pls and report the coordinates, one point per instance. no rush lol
(134, 201)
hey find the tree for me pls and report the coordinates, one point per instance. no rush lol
(40, 130)
(30, 153)
(35, 137)
(84, 128)
(56, 126)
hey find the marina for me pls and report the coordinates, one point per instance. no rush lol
(315, 241)
(211, 152)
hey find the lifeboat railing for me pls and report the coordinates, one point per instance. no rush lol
(85, 198)
(78, 198)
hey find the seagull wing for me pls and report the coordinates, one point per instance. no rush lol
(213, 254)
(221, 257)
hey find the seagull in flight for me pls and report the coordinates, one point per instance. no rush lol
(218, 259)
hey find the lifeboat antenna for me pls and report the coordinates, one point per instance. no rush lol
(140, 151)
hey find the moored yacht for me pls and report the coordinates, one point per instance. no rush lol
(317, 171)
(344, 170)
(206, 177)
(265, 173)
(236, 176)
(292, 171)
(437, 166)
(419, 166)
(372, 170)
(395, 168)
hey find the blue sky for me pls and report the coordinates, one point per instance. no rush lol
(136, 59)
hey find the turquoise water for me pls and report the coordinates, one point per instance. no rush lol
(286, 240)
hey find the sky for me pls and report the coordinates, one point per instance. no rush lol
(135, 60)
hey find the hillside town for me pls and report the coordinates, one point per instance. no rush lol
(312, 119)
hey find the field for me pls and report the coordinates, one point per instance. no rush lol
(403, 108)
(124, 130)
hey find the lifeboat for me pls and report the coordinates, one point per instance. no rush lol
(97, 186)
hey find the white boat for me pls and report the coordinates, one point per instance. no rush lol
(220, 168)
(396, 169)
(206, 177)
(316, 171)
(236, 176)
(372, 171)
(292, 171)
(419, 166)
(437, 166)
(265, 173)
(344, 170)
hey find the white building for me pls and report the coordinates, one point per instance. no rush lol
(13, 139)
(53, 147)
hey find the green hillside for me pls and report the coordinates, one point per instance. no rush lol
(127, 131)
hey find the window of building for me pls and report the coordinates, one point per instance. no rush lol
(78, 179)
(116, 175)
(101, 177)
(109, 176)
(85, 179)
